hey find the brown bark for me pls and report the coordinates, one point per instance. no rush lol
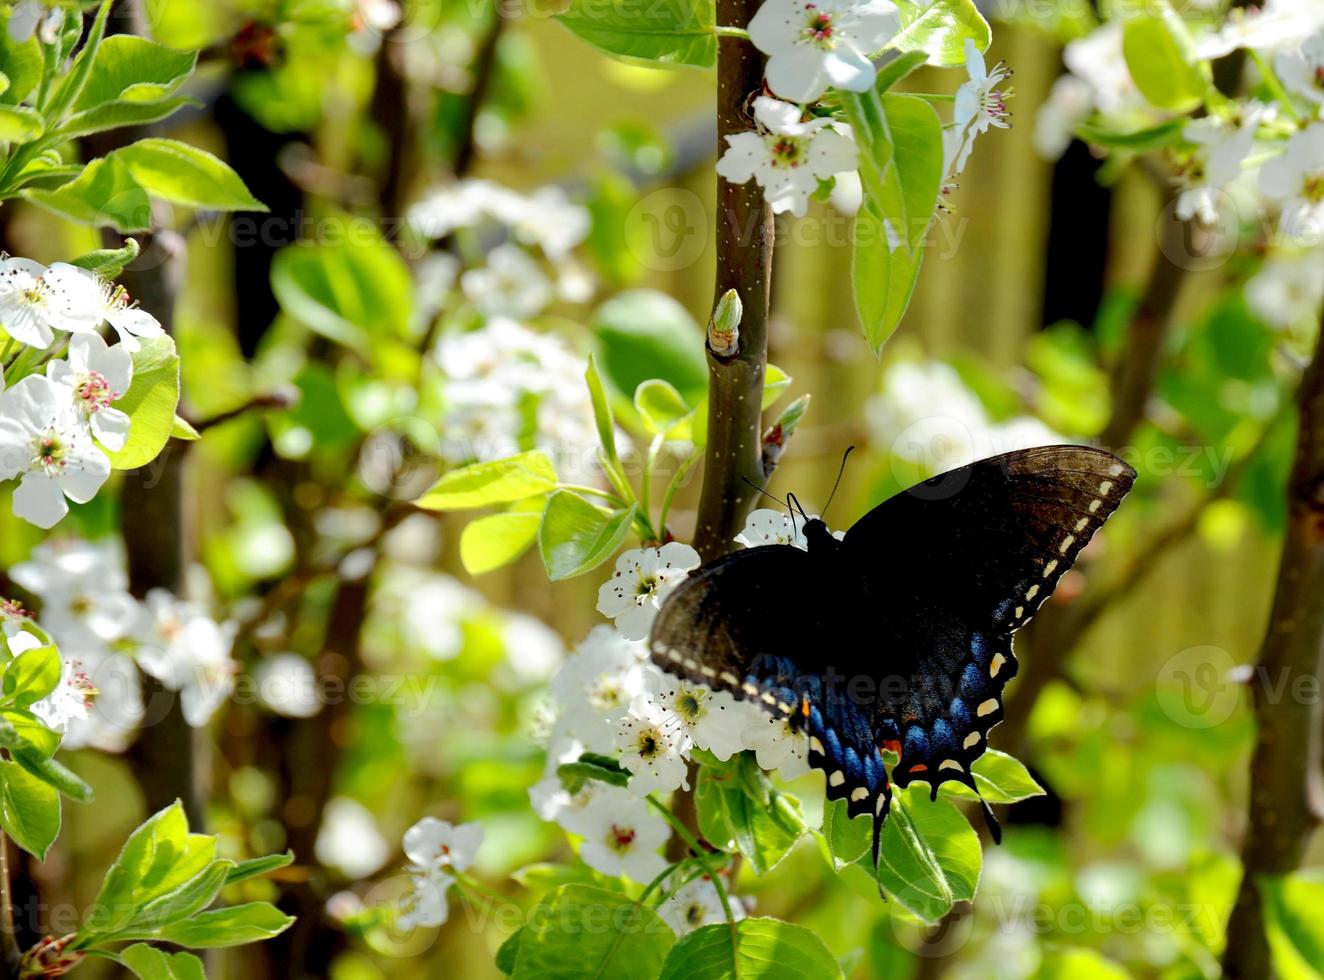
(744, 263)
(1286, 801)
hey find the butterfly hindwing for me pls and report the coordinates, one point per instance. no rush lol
(761, 624)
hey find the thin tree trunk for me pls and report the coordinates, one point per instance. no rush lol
(1286, 796)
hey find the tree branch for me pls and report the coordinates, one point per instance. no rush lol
(744, 263)
(1284, 781)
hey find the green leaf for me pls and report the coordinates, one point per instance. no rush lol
(775, 383)
(29, 809)
(118, 114)
(150, 963)
(255, 867)
(767, 949)
(1161, 58)
(29, 732)
(659, 405)
(233, 926)
(1001, 778)
(1137, 140)
(897, 69)
(602, 416)
(901, 168)
(645, 334)
(109, 262)
(497, 540)
(350, 292)
(53, 773)
(592, 767)
(654, 32)
(183, 431)
(1293, 924)
(19, 124)
(576, 536)
(930, 855)
(21, 63)
(184, 900)
(183, 174)
(128, 68)
(150, 403)
(104, 194)
(508, 951)
(499, 481)
(940, 29)
(31, 676)
(144, 869)
(581, 931)
(847, 839)
(71, 86)
(738, 807)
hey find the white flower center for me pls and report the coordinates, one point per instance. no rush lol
(50, 453)
(620, 839)
(94, 393)
(818, 29)
(650, 742)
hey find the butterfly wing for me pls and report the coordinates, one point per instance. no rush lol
(955, 565)
(762, 624)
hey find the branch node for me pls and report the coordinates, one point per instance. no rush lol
(724, 325)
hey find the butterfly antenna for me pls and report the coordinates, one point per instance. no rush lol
(793, 501)
(836, 483)
(776, 500)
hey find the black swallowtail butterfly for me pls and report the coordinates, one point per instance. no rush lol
(898, 636)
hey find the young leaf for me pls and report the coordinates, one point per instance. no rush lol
(500, 481)
(21, 63)
(765, 948)
(52, 773)
(646, 334)
(602, 416)
(71, 86)
(29, 809)
(1001, 778)
(900, 139)
(930, 857)
(763, 825)
(19, 124)
(150, 403)
(183, 431)
(109, 262)
(143, 864)
(104, 194)
(496, 540)
(1161, 58)
(115, 115)
(255, 867)
(565, 937)
(183, 174)
(24, 731)
(232, 926)
(508, 951)
(31, 676)
(653, 32)
(659, 405)
(1292, 921)
(150, 963)
(591, 766)
(576, 536)
(940, 29)
(129, 68)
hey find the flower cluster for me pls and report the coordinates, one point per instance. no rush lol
(435, 849)
(102, 632)
(609, 699)
(57, 414)
(817, 45)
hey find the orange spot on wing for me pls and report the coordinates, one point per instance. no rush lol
(804, 707)
(919, 768)
(892, 745)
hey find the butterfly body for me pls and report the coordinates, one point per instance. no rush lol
(898, 637)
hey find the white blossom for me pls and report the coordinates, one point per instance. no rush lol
(71, 701)
(1296, 180)
(349, 839)
(775, 743)
(979, 105)
(43, 441)
(790, 157)
(709, 719)
(765, 526)
(187, 651)
(814, 44)
(114, 305)
(653, 743)
(37, 302)
(596, 684)
(83, 588)
(643, 578)
(510, 284)
(1287, 290)
(1267, 27)
(1216, 163)
(1069, 102)
(426, 905)
(287, 685)
(432, 844)
(97, 376)
(696, 904)
(621, 836)
(1302, 71)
